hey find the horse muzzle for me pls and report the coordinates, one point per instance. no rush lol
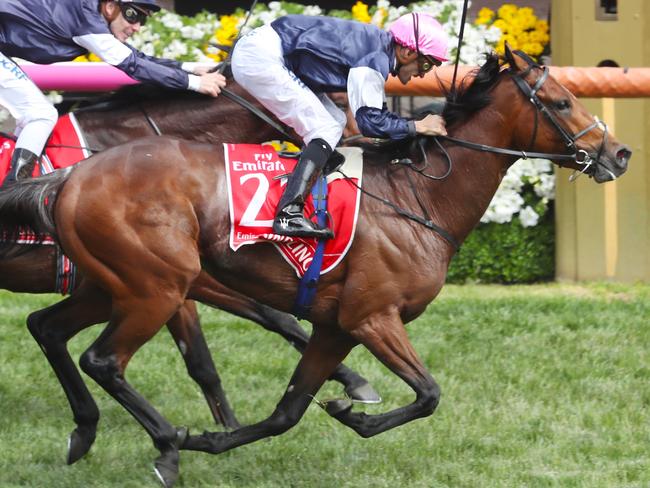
(610, 166)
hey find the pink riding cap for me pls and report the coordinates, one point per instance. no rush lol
(432, 40)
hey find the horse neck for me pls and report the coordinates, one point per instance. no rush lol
(458, 202)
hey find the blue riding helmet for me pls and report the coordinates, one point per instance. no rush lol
(146, 4)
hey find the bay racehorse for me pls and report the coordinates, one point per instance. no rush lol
(131, 113)
(168, 219)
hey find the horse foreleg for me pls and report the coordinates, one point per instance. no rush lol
(52, 328)
(325, 350)
(185, 328)
(208, 290)
(385, 336)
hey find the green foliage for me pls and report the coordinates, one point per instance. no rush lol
(506, 253)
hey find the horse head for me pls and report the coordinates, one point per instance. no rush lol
(558, 124)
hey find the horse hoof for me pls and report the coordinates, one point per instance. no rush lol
(166, 468)
(79, 443)
(336, 407)
(363, 394)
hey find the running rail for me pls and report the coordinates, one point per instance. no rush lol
(582, 82)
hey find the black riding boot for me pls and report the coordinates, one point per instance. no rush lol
(22, 166)
(289, 218)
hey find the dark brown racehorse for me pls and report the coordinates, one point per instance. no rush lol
(146, 255)
(136, 112)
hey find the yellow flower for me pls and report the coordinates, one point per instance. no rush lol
(485, 16)
(507, 10)
(532, 48)
(541, 25)
(360, 12)
(523, 37)
(501, 24)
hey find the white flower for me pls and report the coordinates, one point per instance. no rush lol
(54, 97)
(312, 10)
(171, 21)
(528, 217)
(191, 32)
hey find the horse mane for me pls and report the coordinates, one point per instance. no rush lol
(472, 96)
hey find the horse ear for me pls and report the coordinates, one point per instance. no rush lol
(516, 62)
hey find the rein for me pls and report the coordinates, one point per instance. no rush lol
(425, 220)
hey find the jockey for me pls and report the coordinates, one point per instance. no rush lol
(291, 63)
(46, 31)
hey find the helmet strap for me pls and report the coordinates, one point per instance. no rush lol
(416, 31)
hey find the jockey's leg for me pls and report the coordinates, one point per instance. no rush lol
(35, 118)
(290, 100)
(289, 218)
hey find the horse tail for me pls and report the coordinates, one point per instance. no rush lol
(27, 212)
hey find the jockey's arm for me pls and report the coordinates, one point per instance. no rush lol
(368, 104)
(148, 69)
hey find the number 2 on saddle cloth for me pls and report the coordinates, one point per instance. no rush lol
(254, 175)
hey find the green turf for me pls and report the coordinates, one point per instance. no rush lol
(542, 386)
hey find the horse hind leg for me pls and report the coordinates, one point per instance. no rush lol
(325, 350)
(52, 328)
(185, 328)
(384, 335)
(132, 324)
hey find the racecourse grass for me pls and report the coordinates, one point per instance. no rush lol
(543, 386)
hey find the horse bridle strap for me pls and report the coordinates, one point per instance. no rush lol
(514, 152)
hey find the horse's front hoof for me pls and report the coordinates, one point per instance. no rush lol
(363, 394)
(166, 468)
(336, 407)
(79, 443)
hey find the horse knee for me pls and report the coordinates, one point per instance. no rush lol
(103, 370)
(430, 397)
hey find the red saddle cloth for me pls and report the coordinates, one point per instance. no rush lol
(65, 147)
(254, 192)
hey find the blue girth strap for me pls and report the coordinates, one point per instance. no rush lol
(309, 282)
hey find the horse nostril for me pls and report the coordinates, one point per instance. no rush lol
(623, 155)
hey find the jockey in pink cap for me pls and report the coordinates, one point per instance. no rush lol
(291, 64)
(423, 34)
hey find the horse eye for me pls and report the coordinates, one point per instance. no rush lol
(563, 105)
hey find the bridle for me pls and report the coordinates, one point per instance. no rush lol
(578, 156)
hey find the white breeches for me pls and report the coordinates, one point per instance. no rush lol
(35, 115)
(258, 66)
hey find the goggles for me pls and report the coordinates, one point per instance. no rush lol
(133, 14)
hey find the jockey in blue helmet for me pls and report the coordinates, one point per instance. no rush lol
(47, 31)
